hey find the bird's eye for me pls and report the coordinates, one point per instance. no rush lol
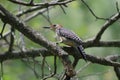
(54, 25)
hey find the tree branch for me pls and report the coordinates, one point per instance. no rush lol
(109, 21)
(35, 14)
(91, 43)
(107, 61)
(106, 25)
(43, 5)
(92, 11)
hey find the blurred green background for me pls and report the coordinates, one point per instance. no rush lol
(77, 18)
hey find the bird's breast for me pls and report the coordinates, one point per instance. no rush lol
(68, 42)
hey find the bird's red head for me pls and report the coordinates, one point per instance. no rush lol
(55, 26)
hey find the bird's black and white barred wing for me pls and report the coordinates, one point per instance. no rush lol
(68, 34)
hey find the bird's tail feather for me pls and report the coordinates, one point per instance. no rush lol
(82, 52)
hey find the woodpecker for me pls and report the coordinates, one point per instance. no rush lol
(68, 37)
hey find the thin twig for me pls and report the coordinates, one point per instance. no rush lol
(84, 67)
(31, 2)
(42, 66)
(63, 9)
(44, 5)
(2, 73)
(25, 3)
(47, 19)
(12, 37)
(35, 14)
(21, 42)
(27, 63)
(117, 7)
(1, 34)
(34, 64)
(5, 35)
(117, 69)
(94, 74)
(92, 11)
(55, 68)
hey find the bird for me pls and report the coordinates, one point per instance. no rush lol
(68, 37)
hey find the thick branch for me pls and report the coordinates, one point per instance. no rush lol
(37, 38)
(21, 54)
(108, 61)
(91, 43)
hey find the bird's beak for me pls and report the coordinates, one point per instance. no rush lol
(46, 27)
